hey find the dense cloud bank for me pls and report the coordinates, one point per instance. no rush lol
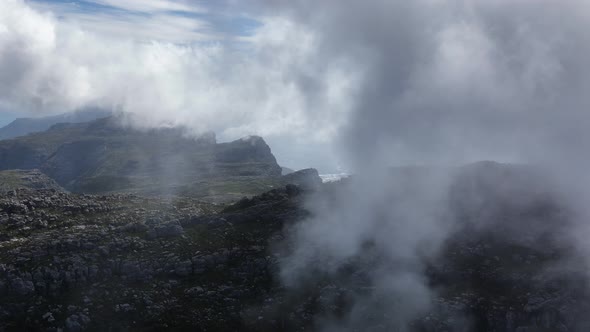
(239, 88)
(426, 81)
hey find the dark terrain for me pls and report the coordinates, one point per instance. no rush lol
(123, 262)
(105, 228)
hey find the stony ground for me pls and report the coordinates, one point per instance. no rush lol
(124, 262)
(127, 263)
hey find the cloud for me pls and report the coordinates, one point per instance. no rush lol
(455, 80)
(426, 81)
(438, 82)
(152, 6)
(52, 65)
(161, 20)
(175, 21)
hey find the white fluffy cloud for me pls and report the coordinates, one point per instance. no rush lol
(49, 65)
(151, 6)
(162, 20)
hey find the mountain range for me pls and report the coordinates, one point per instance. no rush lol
(102, 156)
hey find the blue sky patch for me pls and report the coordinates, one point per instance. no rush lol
(216, 15)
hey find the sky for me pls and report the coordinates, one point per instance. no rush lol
(164, 20)
(179, 22)
(326, 84)
(208, 65)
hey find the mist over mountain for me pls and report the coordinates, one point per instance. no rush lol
(215, 229)
(456, 131)
(119, 258)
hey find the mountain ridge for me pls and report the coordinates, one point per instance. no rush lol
(103, 156)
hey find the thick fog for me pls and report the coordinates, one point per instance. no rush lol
(441, 83)
(456, 80)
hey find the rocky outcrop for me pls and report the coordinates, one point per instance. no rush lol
(308, 179)
(251, 153)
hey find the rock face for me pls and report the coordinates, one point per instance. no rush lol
(252, 153)
(101, 156)
(125, 262)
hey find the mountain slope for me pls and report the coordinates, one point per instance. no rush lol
(101, 156)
